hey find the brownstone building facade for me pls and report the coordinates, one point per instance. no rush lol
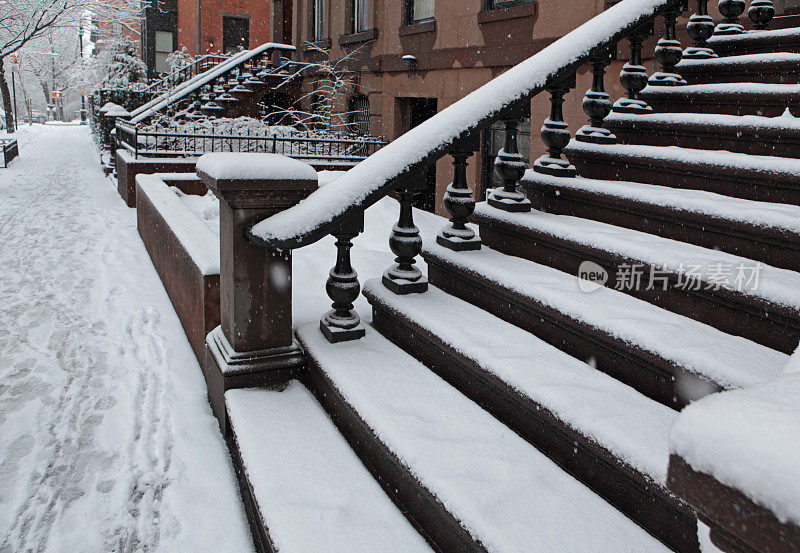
(416, 57)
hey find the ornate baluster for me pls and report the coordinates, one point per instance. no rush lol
(406, 243)
(459, 203)
(700, 28)
(555, 133)
(761, 13)
(597, 103)
(510, 166)
(342, 323)
(668, 52)
(634, 75)
(730, 10)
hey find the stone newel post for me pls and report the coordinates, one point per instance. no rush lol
(254, 345)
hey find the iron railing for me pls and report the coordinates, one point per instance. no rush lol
(10, 150)
(311, 145)
(183, 74)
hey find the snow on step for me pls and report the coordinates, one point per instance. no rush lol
(311, 489)
(753, 123)
(505, 493)
(729, 360)
(781, 217)
(612, 414)
(791, 91)
(735, 61)
(754, 35)
(742, 438)
(772, 166)
(776, 286)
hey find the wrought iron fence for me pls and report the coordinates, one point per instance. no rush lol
(312, 145)
(10, 150)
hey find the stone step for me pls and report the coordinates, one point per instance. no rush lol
(304, 489)
(470, 482)
(733, 294)
(665, 356)
(761, 178)
(740, 98)
(749, 134)
(604, 433)
(758, 42)
(762, 231)
(772, 67)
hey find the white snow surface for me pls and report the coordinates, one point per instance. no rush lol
(358, 183)
(107, 442)
(196, 236)
(504, 491)
(743, 438)
(311, 488)
(732, 61)
(781, 217)
(782, 167)
(753, 123)
(753, 35)
(778, 286)
(634, 428)
(729, 360)
(790, 91)
(256, 166)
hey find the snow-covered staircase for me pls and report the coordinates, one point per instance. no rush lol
(508, 405)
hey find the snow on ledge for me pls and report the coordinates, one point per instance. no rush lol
(359, 183)
(200, 242)
(240, 166)
(747, 440)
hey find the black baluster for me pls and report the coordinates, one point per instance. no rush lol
(406, 243)
(597, 103)
(555, 133)
(730, 10)
(761, 13)
(700, 29)
(459, 203)
(668, 53)
(510, 167)
(342, 323)
(634, 75)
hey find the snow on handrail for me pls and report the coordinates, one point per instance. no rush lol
(202, 79)
(379, 174)
(171, 76)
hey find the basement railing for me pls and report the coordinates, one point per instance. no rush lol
(10, 149)
(308, 145)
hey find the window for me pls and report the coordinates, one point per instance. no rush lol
(497, 4)
(235, 34)
(360, 15)
(419, 10)
(358, 115)
(318, 20)
(164, 48)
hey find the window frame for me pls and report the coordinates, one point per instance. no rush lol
(318, 21)
(408, 16)
(358, 7)
(164, 53)
(490, 5)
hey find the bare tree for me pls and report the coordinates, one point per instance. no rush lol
(324, 106)
(24, 21)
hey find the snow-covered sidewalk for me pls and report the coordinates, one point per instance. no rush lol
(107, 442)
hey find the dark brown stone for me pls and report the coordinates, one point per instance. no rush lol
(128, 167)
(738, 524)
